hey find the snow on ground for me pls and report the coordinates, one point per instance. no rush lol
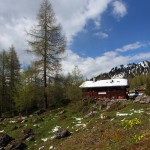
(1, 131)
(130, 114)
(56, 128)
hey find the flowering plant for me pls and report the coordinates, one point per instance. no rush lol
(128, 124)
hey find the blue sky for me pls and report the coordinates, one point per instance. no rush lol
(133, 27)
(101, 34)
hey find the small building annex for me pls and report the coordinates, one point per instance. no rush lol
(105, 89)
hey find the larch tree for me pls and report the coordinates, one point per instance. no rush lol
(13, 73)
(47, 42)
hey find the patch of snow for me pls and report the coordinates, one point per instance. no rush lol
(2, 131)
(23, 121)
(51, 147)
(138, 111)
(77, 119)
(121, 114)
(83, 125)
(56, 128)
(52, 137)
(41, 148)
(112, 119)
(45, 139)
(12, 121)
(23, 118)
(123, 119)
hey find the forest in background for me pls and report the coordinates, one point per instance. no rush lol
(21, 91)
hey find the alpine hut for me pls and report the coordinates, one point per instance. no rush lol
(105, 89)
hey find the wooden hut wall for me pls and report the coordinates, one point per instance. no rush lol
(105, 92)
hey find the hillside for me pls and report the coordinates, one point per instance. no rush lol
(124, 125)
(126, 71)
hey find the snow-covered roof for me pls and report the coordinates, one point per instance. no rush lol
(104, 83)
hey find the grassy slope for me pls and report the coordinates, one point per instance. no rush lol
(103, 130)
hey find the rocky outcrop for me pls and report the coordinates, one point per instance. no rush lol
(4, 140)
(16, 145)
(143, 99)
(92, 113)
(27, 134)
(61, 134)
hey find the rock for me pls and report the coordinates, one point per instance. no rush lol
(4, 139)
(61, 112)
(2, 125)
(24, 121)
(145, 101)
(101, 104)
(61, 134)
(27, 133)
(1, 119)
(16, 145)
(14, 128)
(30, 138)
(138, 98)
(90, 114)
(109, 105)
(104, 116)
(38, 120)
(39, 112)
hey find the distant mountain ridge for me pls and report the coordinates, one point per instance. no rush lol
(125, 71)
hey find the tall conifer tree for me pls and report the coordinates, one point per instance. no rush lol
(13, 73)
(47, 43)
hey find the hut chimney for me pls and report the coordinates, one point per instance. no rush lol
(94, 79)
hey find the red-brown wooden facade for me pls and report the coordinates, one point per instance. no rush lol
(118, 92)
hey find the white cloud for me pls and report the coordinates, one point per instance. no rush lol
(140, 56)
(102, 35)
(119, 9)
(91, 67)
(73, 15)
(132, 46)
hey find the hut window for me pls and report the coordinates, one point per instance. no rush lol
(100, 93)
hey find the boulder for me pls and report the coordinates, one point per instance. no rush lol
(16, 145)
(90, 114)
(61, 134)
(1, 119)
(27, 133)
(38, 120)
(4, 139)
(14, 128)
(145, 100)
(39, 112)
(30, 138)
(61, 112)
(109, 105)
